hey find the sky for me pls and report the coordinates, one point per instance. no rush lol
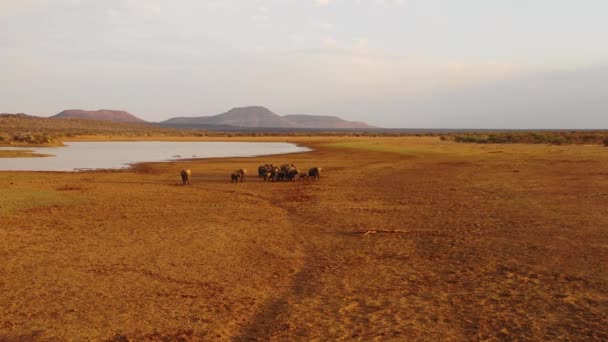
(390, 63)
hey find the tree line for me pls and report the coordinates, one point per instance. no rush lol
(554, 138)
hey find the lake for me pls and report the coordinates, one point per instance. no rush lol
(118, 155)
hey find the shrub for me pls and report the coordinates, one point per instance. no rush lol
(606, 142)
(558, 140)
(31, 138)
(546, 137)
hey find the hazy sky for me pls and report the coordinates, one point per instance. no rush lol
(393, 63)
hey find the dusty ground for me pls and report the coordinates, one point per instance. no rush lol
(470, 242)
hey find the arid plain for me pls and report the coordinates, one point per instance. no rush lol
(407, 238)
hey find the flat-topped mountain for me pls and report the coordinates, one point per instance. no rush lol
(101, 115)
(261, 117)
(319, 121)
(237, 117)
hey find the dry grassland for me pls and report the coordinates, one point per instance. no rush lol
(401, 239)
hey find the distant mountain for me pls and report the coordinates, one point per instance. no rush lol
(101, 115)
(318, 121)
(13, 124)
(16, 115)
(261, 117)
(237, 117)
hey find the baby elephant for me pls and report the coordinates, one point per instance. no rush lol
(186, 176)
(238, 176)
(268, 176)
(314, 173)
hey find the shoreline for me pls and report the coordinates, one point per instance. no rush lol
(138, 165)
(10, 154)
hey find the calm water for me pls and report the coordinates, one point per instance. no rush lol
(116, 155)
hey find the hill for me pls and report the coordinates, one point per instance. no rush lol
(101, 115)
(23, 128)
(261, 117)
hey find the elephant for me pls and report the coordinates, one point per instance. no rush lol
(262, 170)
(281, 175)
(292, 174)
(186, 176)
(238, 176)
(274, 173)
(267, 176)
(286, 167)
(315, 173)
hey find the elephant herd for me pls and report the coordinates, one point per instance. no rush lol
(270, 173)
(287, 172)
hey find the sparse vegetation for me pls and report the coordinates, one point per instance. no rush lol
(34, 138)
(35, 130)
(24, 129)
(554, 138)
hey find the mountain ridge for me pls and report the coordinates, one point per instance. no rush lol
(101, 114)
(262, 117)
(250, 117)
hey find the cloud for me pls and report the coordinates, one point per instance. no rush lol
(322, 3)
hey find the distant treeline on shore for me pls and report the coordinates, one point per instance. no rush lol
(534, 137)
(23, 130)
